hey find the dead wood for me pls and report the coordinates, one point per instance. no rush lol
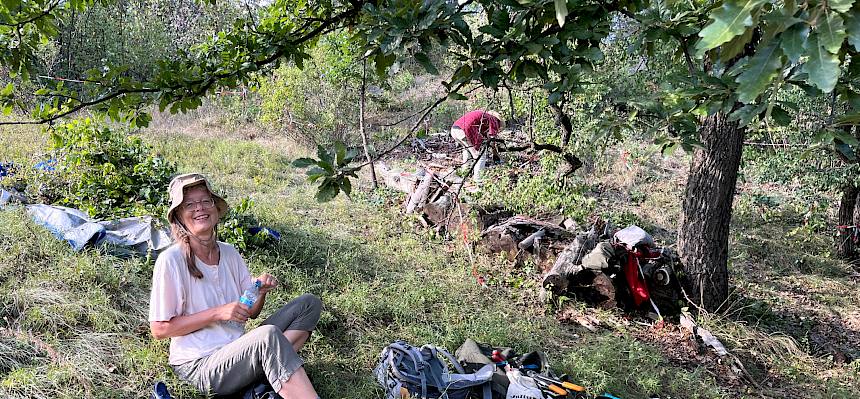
(518, 234)
(419, 196)
(568, 263)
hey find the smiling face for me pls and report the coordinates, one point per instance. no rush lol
(197, 212)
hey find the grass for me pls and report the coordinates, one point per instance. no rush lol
(74, 324)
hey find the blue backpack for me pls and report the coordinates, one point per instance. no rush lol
(405, 371)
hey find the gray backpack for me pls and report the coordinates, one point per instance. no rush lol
(405, 371)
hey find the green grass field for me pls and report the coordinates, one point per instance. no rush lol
(73, 325)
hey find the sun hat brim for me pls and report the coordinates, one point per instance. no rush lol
(176, 190)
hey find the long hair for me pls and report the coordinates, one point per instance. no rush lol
(180, 234)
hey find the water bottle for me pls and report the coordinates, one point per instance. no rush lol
(251, 293)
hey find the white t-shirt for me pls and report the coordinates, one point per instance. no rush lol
(175, 292)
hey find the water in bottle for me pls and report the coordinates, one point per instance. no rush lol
(251, 293)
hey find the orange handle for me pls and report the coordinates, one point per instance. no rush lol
(572, 386)
(557, 389)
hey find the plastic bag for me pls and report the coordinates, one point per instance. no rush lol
(522, 387)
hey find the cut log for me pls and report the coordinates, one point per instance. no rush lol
(438, 210)
(397, 180)
(419, 197)
(569, 262)
(530, 240)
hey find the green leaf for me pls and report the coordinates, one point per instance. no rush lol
(794, 40)
(845, 137)
(847, 151)
(560, 11)
(760, 71)
(424, 60)
(11, 4)
(325, 157)
(730, 20)
(315, 173)
(593, 54)
(346, 186)
(7, 91)
(533, 70)
(822, 67)
(852, 98)
(56, 141)
(350, 155)
(547, 40)
(304, 162)
(382, 63)
(840, 5)
(340, 153)
(780, 116)
(327, 190)
(747, 113)
(852, 28)
(736, 45)
(534, 48)
(456, 96)
(831, 33)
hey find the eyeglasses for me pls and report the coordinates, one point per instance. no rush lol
(204, 204)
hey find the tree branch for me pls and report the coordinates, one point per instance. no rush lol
(32, 19)
(414, 128)
(81, 106)
(210, 80)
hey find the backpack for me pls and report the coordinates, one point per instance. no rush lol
(405, 371)
(260, 390)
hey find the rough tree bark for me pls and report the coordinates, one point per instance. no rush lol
(845, 248)
(849, 208)
(703, 236)
(361, 123)
(563, 121)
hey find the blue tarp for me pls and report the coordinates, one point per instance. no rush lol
(140, 234)
(76, 228)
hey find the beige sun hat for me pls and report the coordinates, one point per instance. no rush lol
(498, 116)
(176, 190)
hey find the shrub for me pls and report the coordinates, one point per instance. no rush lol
(103, 172)
(237, 227)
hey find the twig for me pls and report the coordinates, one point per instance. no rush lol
(68, 80)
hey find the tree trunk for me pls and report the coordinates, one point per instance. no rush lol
(361, 124)
(563, 121)
(703, 236)
(846, 217)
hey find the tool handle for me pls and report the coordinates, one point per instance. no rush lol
(556, 389)
(572, 386)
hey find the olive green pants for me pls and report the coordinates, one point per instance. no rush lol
(261, 352)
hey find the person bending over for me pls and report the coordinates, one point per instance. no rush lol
(196, 285)
(471, 131)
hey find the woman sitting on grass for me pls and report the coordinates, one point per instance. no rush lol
(196, 286)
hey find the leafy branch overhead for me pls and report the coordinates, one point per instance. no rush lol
(739, 54)
(802, 43)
